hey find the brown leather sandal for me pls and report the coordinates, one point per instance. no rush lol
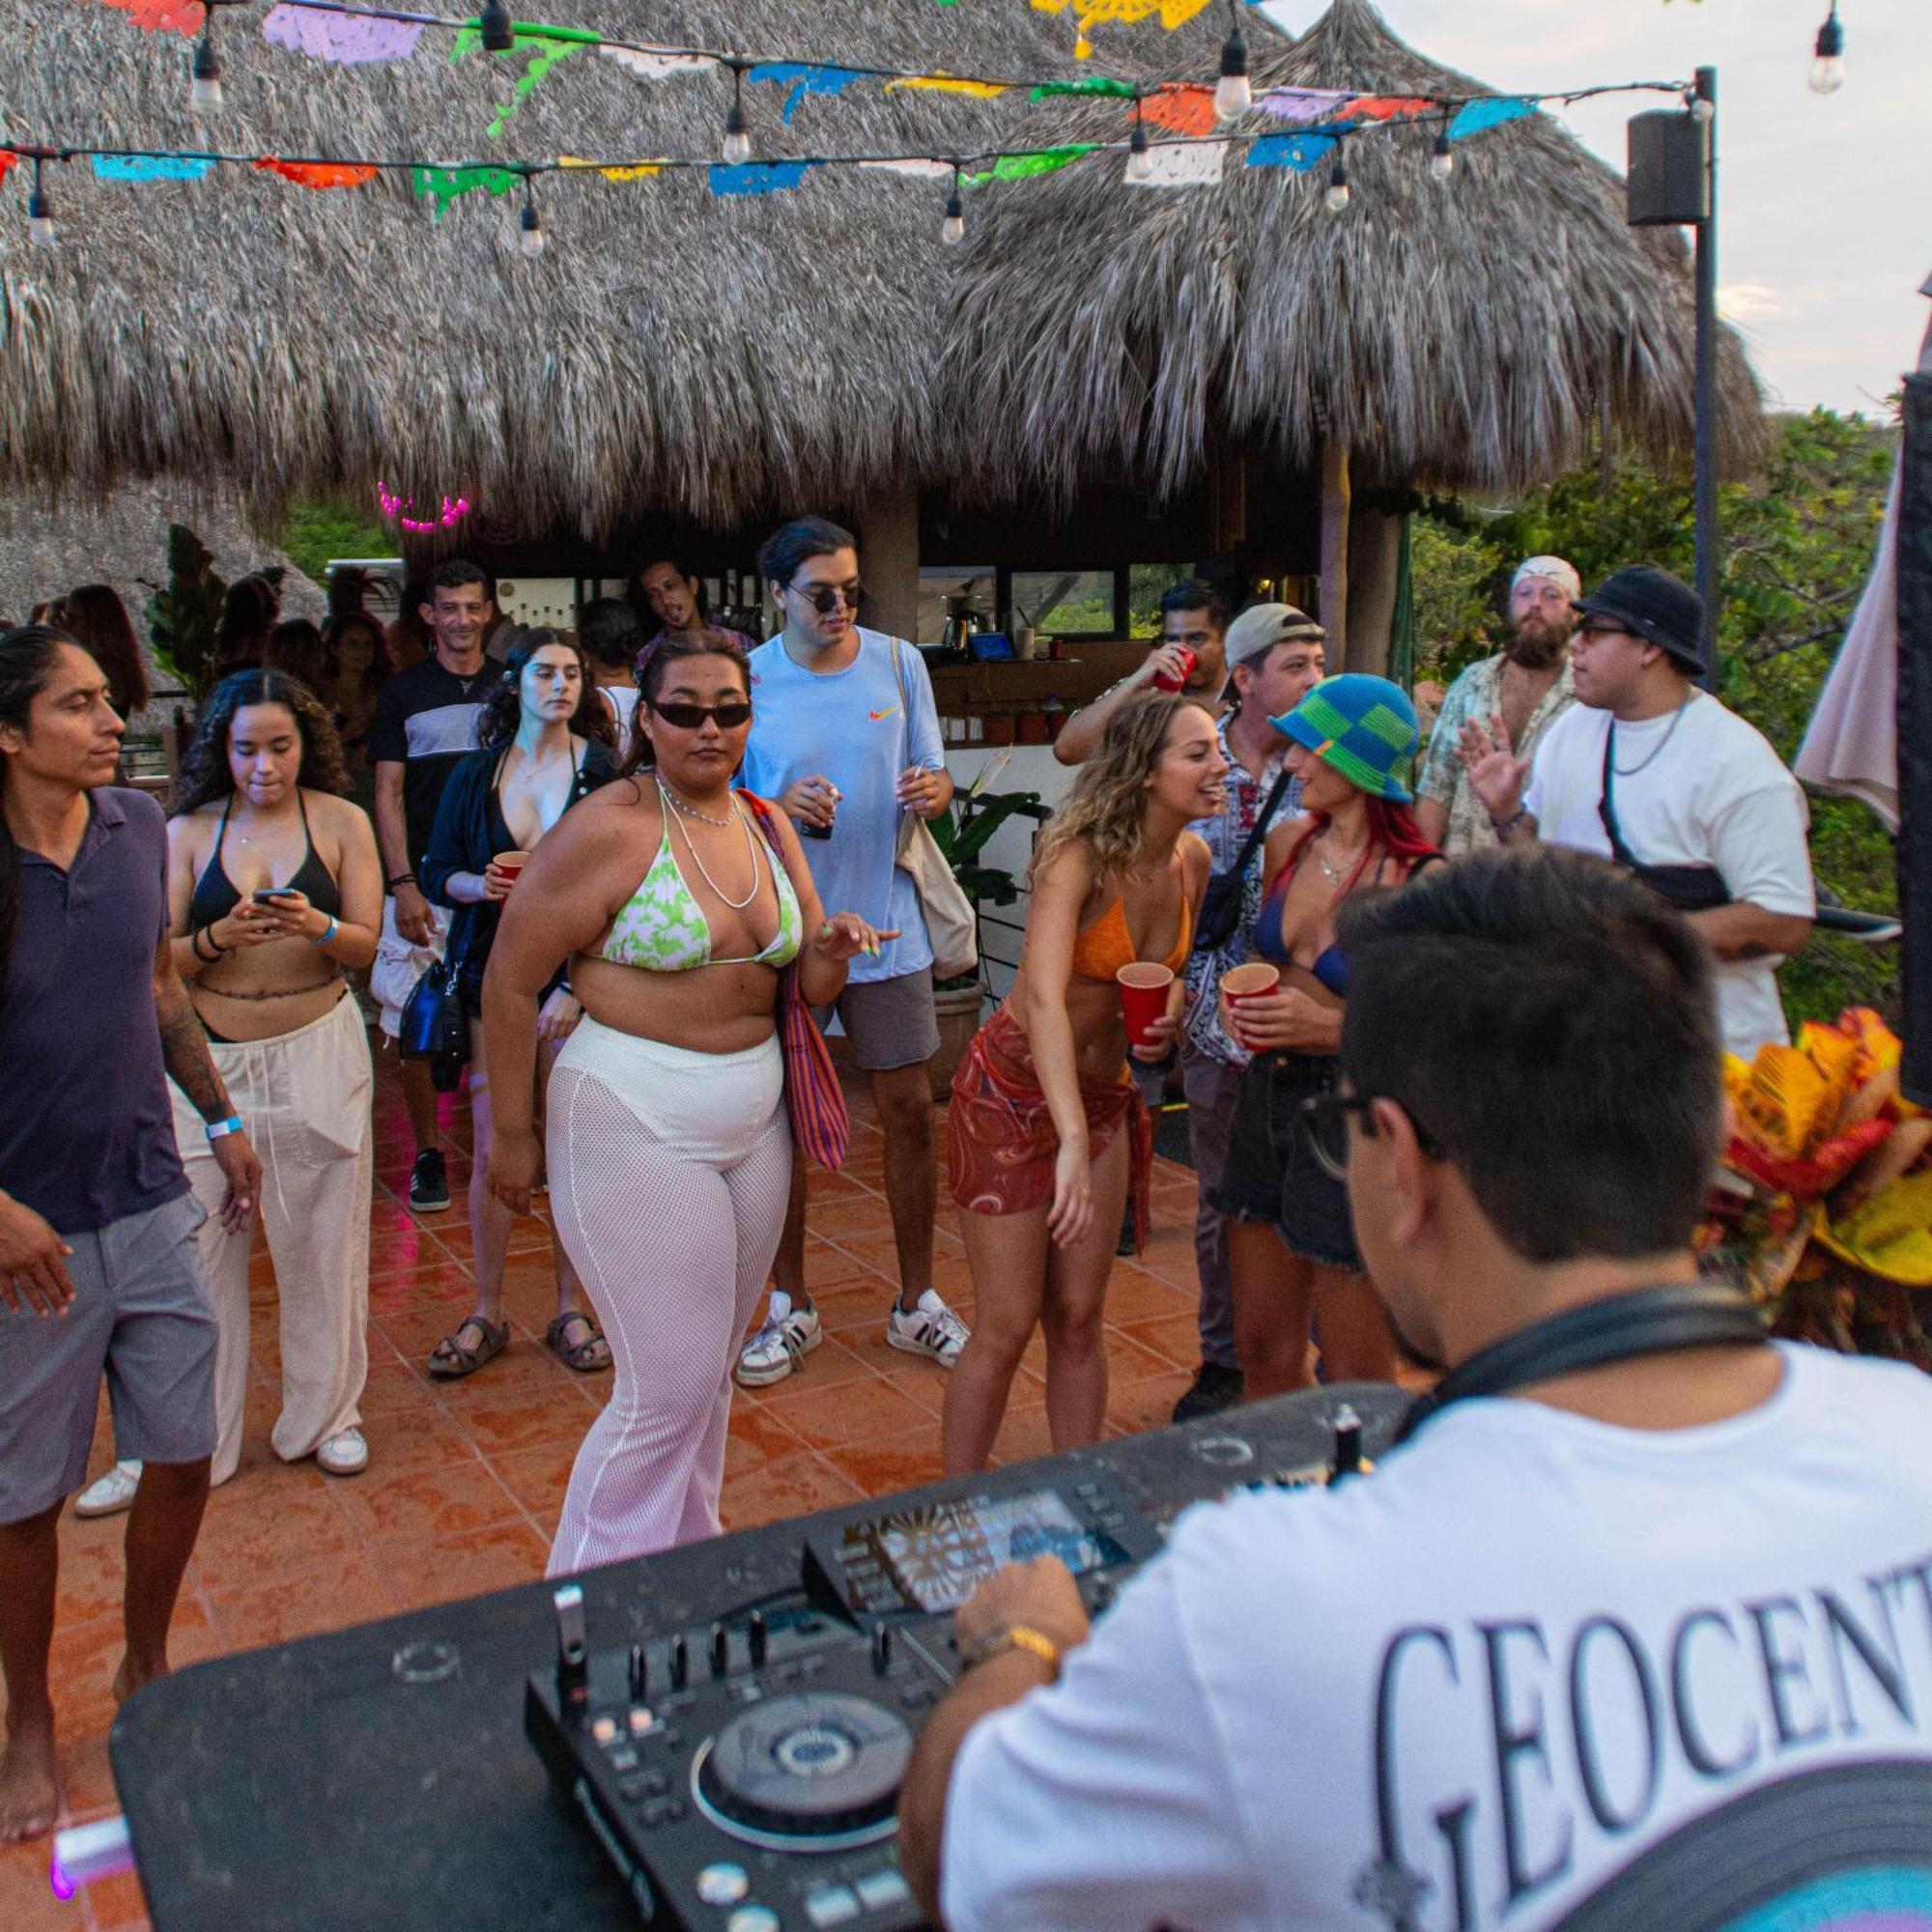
(587, 1356)
(449, 1360)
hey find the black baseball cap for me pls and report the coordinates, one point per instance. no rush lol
(1657, 606)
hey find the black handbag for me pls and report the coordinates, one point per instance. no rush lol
(436, 1021)
(1221, 903)
(1687, 888)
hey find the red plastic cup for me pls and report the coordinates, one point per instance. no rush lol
(1167, 681)
(510, 865)
(1143, 989)
(1251, 981)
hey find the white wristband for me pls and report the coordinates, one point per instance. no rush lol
(215, 1130)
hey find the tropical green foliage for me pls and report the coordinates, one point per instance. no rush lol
(184, 614)
(1797, 543)
(315, 528)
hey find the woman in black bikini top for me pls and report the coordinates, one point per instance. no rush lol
(275, 891)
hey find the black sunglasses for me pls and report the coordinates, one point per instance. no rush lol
(734, 712)
(823, 596)
(1325, 1126)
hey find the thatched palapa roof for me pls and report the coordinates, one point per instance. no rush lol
(717, 356)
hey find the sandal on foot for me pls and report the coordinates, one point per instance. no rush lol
(586, 1356)
(450, 1360)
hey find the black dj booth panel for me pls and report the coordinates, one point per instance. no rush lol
(709, 1737)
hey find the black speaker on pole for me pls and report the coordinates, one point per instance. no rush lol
(1668, 180)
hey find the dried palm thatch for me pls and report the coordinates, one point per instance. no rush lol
(672, 351)
(1470, 334)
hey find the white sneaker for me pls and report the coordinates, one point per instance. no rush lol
(346, 1453)
(788, 1336)
(930, 1329)
(111, 1493)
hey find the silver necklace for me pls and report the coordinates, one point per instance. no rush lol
(698, 858)
(685, 810)
(1328, 871)
(1656, 751)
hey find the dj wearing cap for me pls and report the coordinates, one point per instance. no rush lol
(1654, 771)
(1634, 1631)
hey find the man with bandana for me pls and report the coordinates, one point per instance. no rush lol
(1518, 692)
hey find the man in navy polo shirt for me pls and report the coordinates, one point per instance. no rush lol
(100, 1271)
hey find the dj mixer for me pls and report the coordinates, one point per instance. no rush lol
(741, 1771)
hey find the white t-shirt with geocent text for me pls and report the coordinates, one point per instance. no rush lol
(1475, 1687)
(1714, 794)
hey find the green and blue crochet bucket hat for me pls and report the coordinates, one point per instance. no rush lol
(1364, 726)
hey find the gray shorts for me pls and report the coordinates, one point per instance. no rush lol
(890, 1022)
(143, 1312)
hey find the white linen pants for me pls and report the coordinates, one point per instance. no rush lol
(669, 1173)
(305, 1098)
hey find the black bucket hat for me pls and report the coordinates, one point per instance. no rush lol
(1657, 606)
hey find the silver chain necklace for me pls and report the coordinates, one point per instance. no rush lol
(698, 858)
(1656, 751)
(687, 811)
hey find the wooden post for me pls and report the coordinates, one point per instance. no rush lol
(1335, 495)
(889, 560)
(1374, 561)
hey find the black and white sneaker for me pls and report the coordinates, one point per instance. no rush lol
(429, 1182)
(930, 1329)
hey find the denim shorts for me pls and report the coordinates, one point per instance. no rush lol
(1272, 1173)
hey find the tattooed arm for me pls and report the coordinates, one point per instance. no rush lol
(184, 1053)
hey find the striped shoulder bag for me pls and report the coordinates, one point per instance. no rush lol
(814, 1097)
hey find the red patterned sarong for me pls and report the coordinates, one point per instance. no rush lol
(1000, 1144)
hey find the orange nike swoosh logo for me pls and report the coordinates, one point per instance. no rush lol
(875, 716)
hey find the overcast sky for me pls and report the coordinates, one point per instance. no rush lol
(1825, 203)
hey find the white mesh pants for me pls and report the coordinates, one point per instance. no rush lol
(305, 1100)
(669, 1176)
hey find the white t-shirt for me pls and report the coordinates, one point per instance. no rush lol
(1716, 794)
(1465, 1690)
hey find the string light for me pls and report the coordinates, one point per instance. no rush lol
(1232, 96)
(40, 211)
(1827, 55)
(1140, 163)
(1337, 197)
(499, 36)
(1442, 158)
(737, 131)
(953, 229)
(204, 73)
(529, 230)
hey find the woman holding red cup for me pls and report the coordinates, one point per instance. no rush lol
(1293, 1258)
(1047, 1128)
(545, 742)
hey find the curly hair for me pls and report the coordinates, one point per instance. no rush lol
(1106, 809)
(382, 665)
(204, 772)
(496, 720)
(654, 663)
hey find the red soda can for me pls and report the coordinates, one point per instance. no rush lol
(1166, 680)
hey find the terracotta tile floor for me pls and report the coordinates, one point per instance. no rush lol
(466, 1479)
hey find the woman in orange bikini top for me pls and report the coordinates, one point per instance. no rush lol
(1036, 1153)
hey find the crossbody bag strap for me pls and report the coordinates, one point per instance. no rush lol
(1607, 810)
(1263, 821)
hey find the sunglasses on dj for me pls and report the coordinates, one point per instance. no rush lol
(822, 597)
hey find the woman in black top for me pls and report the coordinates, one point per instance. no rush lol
(545, 741)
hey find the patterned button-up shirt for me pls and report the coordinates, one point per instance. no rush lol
(1477, 696)
(1226, 833)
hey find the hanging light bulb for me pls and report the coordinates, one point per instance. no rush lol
(1701, 109)
(738, 130)
(1140, 162)
(529, 230)
(1233, 95)
(39, 212)
(1337, 197)
(205, 82)
(1442, 158)
(953, 229)
(1827, 55)
(499, 34)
